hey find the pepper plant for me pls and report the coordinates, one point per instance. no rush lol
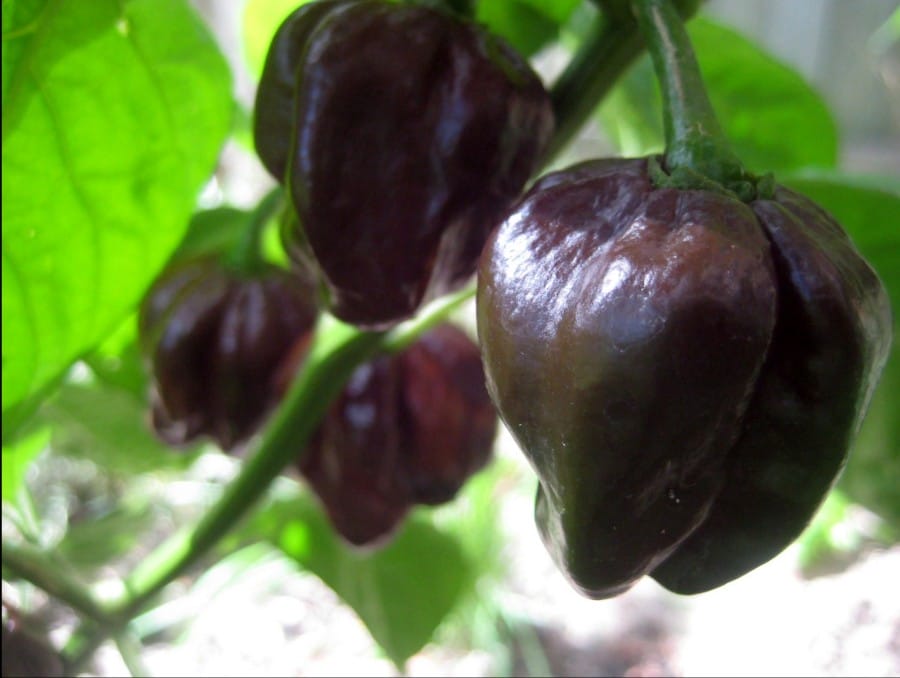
(114, 114)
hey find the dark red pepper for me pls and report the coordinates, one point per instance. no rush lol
(685, 371)
(403, 134)
(214, 339)
(406, 429)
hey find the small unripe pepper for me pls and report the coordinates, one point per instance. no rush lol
(402, 133)
(407, 429)
(214, 339)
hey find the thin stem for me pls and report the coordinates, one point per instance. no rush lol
(130, 650)
(698, 155)
(612, 44)
(604, 55)
(44, 572)
(84, 642)
(336, 351)
(406, 333)
(687, 111)
(247, 254)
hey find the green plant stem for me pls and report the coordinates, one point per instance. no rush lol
(613, 43)
(129, 649)
(247, 253)
(406, 333)
(698, 155)
(43, 571)
(84, 642)
(336, 351)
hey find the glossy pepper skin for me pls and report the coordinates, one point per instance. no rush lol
(684, 371)
(214, 339)
(403, 134)
(406, 429)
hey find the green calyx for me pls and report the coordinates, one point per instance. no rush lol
(740, 185)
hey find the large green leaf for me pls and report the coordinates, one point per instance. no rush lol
(113, 116)
(96, 541)
(16, 460)
(774, 119)
(527, 25)
(401, 592)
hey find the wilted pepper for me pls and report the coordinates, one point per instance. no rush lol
(684, 369)
(406, 429)
(214, 339)
(403, 133)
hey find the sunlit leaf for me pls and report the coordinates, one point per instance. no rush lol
(113, 116)
(401, 592)
(17, 458)
(97, 541)
(103, 416)
(261, 19)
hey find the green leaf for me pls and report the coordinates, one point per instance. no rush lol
(557, 11)
(773, 117)
(213, 231)
(96, 542)
(261, 19)
(113, 116)
(520, 23)
(16, 460)
(401, 593)
(103, 416)
(220, 230)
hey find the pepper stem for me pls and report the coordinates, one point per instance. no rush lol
(612, 43)
(246, 256)
(698, 155)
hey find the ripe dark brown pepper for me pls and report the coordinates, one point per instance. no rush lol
(214, 339)
(406, 429)
(684, 371)
(403, 134)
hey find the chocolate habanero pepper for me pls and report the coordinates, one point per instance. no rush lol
(407, 429)
(682, 350)
(403, 133)
(214, 339)
(622, 359)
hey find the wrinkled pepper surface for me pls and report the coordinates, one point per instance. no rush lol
(407, 429)
(214, 340)
(684, 370)
(403, 134)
